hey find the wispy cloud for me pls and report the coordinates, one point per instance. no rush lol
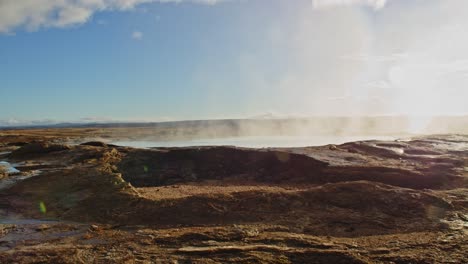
(102, 22)
(137, 35)
(35, 14)
(376, 4)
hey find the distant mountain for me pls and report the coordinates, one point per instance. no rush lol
(87, 121)
(270, 125)
(21, 123)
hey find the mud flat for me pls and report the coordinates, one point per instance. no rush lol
(359, 202)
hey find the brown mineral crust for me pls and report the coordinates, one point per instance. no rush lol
(360, 202)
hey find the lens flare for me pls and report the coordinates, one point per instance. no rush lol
(42, 207)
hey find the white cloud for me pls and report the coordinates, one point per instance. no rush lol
(137, 35)
(376, 4)
(35, 14)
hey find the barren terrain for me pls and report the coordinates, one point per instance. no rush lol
(76, 201)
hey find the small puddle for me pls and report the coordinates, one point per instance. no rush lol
(14, 175)
(33, 230)
(398, 151)
(8, 167)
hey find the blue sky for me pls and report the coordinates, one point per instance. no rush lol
(146, 60)
(98, 69)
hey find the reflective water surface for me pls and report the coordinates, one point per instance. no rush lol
(254, 142)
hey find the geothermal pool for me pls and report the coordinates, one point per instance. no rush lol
(253, 142)
(8, 167)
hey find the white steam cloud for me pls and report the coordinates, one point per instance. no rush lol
(35, 14)
(408, 58)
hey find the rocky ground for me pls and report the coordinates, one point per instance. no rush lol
(361, 202)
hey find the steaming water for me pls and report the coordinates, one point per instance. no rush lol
(253, 142)
(14, 175)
